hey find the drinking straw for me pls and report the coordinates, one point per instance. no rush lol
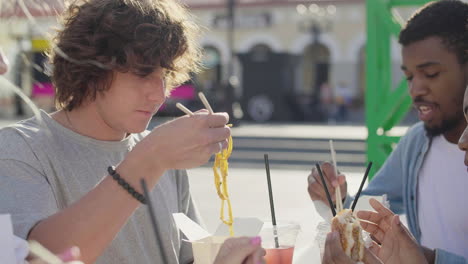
(326, 189)
(184, 109)
(205, 102)
(272, 205)
(159, 242)
(369, 166)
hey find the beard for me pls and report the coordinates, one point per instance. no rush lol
(445, 126)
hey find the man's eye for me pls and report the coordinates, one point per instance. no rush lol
(432, 75)
(409, 78)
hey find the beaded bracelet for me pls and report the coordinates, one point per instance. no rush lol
(140, 197)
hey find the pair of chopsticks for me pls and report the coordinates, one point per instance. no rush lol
(337, 190)
(204, 101)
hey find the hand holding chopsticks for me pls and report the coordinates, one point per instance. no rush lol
(315, 185)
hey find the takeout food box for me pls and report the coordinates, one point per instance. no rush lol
(205, 245)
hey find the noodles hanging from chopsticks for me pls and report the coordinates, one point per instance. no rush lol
(220, 170)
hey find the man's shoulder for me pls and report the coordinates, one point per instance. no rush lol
(414, 141)
(16, 139)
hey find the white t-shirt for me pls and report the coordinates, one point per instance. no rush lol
(443, 198)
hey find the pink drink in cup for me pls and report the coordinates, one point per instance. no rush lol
(279, 255)
(279, 243)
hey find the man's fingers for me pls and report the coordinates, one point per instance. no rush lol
(374, 249)
(328, 182)
(202, 111)
(317, 192)
(376, 218)
(384, 211)
(214, 135)
(401, 231)
(218, 147)
(216, 119)
(341, 179)
(329, 173)
(370, 257)
(334, 251)
(70, 254)
(327, 254)
(373, 229)
(369, 216)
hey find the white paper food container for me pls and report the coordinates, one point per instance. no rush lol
(205, 245)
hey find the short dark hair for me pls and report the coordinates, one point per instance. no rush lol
(447, 19)
(137, 36)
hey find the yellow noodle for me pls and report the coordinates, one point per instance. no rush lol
(220, 169)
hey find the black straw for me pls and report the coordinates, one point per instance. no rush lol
(369, 166)
(272, 205)
(326, 189)
(149, 203)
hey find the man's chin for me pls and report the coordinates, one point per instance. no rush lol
(138, 128)
(434, 130)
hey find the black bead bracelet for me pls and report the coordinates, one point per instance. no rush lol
(140, 197)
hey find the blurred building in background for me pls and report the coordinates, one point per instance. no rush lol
(288, 55)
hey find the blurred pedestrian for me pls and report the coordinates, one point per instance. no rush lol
(343, 98)
(326, 101)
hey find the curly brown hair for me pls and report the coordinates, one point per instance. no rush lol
(100, 37)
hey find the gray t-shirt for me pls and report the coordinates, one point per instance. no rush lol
(44, 167)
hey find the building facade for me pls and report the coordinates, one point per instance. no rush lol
(288, 56)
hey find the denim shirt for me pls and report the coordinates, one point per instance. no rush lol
(398, 178)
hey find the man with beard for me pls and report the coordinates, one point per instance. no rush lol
(425, 177)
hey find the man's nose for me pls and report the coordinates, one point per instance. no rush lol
(463, 142)
(157, 91)
(418, 87)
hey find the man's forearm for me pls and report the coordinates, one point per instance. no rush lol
(92, 222)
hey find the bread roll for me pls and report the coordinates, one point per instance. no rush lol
(350, 234)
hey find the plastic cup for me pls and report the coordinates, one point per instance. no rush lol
(279, 242)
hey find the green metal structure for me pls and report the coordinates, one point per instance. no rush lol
(385, 106)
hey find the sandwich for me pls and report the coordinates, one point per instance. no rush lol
(350, 234)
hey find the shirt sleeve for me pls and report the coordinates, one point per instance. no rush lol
(443, 256)
(25, 194)
(389, 179)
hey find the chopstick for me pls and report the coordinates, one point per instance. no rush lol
(339, 202)
(184, 109)
(205, 102)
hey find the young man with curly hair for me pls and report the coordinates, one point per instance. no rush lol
(114, 63)
(424, 177)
